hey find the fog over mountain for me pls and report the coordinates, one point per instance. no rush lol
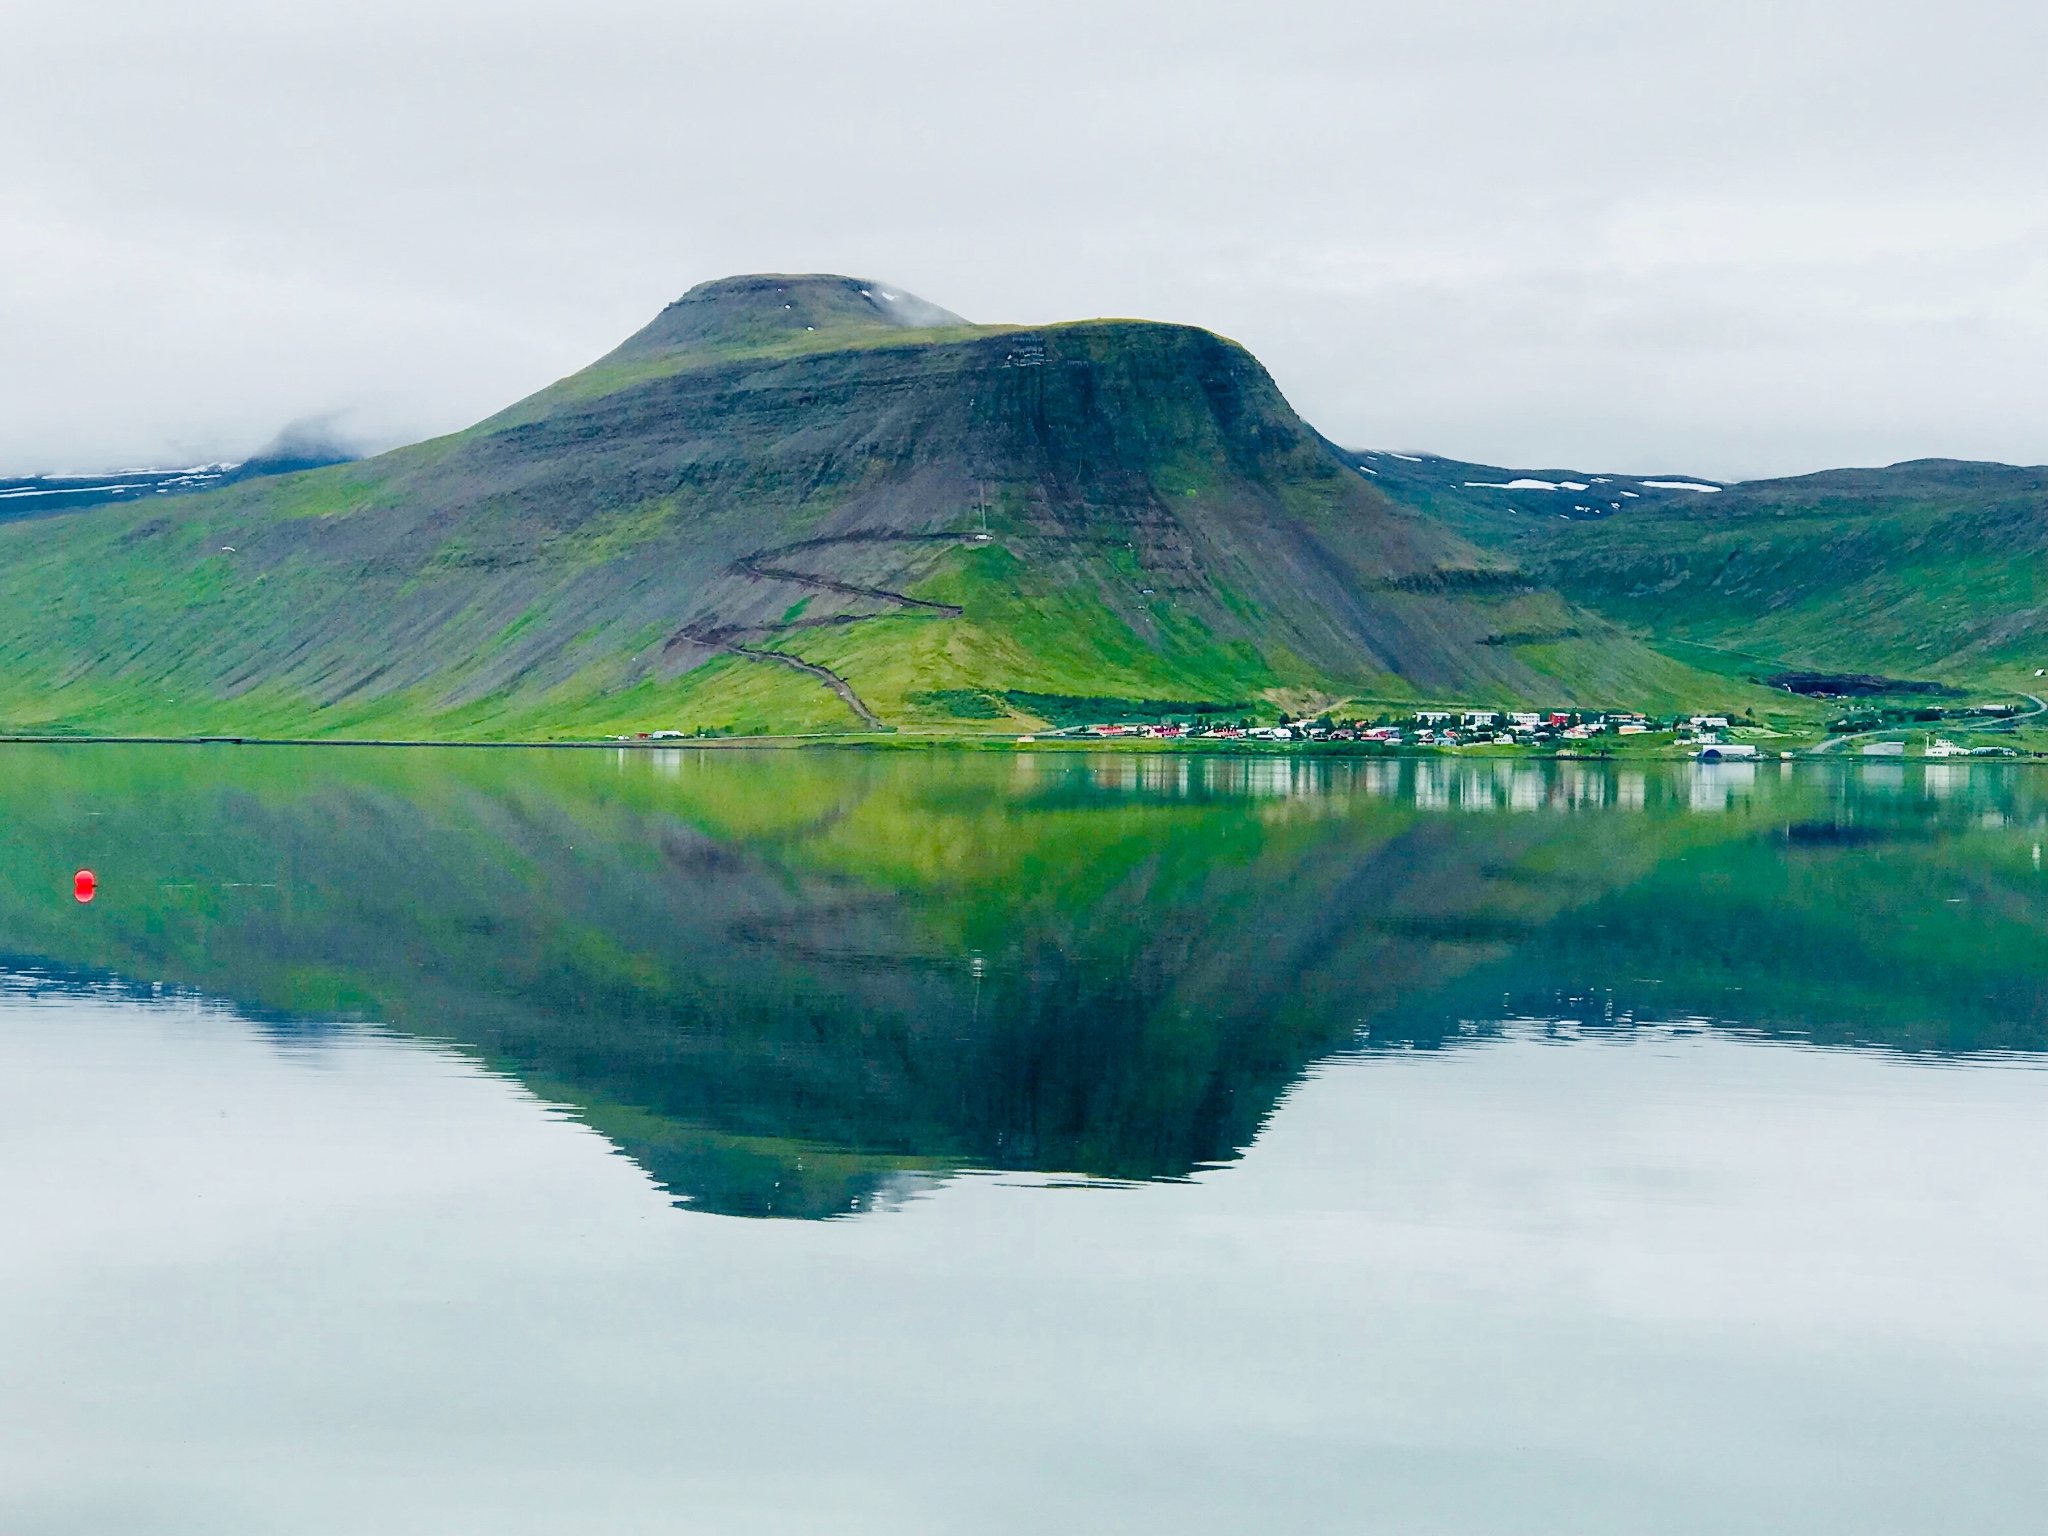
(1735, 240)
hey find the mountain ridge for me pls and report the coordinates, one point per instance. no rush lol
(1935, 567)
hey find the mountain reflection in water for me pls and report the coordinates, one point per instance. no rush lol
(801, 983)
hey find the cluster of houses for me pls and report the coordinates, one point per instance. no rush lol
(1706, 737)
(1450, 728)
(1432, 727)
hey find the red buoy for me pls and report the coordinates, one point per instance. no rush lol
(83, 885)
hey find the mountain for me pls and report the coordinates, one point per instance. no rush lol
(804, 503)
(1934, 569)
(301, 446)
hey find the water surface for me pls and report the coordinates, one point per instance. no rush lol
(657, 1141)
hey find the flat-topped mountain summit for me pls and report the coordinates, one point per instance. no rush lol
(799, 503)
(737, 313)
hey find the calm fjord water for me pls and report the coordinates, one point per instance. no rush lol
(836, 1142)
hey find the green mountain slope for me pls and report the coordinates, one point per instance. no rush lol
(799, 503)
(1933, 569)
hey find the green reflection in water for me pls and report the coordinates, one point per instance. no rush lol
(797, 984)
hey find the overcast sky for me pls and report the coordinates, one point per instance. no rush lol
(1732, 238)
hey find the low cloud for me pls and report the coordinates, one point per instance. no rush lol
(306, 443)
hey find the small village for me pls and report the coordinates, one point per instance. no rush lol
(1572, 733)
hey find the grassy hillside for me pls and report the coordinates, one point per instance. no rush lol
(801, 504)
(1935, 569)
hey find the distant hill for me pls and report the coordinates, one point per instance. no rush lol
(1932, 569)
(45, 495)
(1506, 509)
(25, 496)
(807, 503)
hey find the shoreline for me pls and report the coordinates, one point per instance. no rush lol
(1822, 751)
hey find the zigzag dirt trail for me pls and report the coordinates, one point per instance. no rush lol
(826, 675)
(752, 565)
(725, 637)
